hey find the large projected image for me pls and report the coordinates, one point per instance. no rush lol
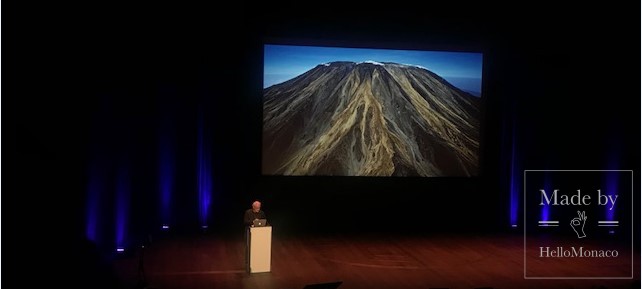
(370, 112)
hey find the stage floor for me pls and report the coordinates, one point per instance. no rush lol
(364, 261)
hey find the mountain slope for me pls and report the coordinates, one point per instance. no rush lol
(369, 119)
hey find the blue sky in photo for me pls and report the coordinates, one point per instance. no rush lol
(284, 62)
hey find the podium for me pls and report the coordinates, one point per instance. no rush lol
(259, 249)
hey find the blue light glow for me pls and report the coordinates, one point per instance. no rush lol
(95, 191)
(611, 180)
(166, 176)
(515, 173)
(123, 194)
(204, 174)
(545, 211)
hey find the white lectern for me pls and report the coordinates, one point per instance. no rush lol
(259, 249)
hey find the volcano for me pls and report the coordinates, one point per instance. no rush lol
(369, 119)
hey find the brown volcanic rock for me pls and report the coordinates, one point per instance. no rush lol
(370, 119)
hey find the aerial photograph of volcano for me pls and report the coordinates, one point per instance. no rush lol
(370, 112)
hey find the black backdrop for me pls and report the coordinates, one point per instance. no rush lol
(100, 81)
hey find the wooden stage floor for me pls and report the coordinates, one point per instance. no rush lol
(364, 261)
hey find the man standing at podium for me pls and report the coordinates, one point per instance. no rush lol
(251, 215)
(254, 213)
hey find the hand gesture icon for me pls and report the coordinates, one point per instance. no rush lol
(578, 224)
